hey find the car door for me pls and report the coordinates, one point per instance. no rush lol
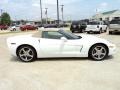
(71, 48)
(55, 44)
(50, 44)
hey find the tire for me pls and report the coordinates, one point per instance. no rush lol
(72, 31)
(98, 52)
(26, 53)
(106, 29)
(14, 29)
(99, 32)
(110, 32)
(88, 32)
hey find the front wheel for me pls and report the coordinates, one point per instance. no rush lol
(26, 53)
(99, 32)
(98, 52)
(110, 32)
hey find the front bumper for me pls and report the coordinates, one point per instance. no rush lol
(112, 49)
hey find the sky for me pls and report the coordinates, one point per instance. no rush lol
(73, 9)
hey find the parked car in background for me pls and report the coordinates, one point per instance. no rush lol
(50, 25)
(114, 26)
(4, 27)
(64, 25)
(14, 28)
(28, 27)
(78, 27)
(96, 26)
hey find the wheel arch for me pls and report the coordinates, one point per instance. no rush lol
(98, 44)
(25, 45)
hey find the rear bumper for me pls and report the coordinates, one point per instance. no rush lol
(114, 30)
(92, 30)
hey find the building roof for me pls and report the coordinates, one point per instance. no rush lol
(109, 12)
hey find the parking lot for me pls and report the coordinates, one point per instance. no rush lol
(59, 74)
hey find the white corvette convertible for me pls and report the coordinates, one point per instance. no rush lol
(56, 44)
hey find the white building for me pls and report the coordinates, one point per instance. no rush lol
(110, 15)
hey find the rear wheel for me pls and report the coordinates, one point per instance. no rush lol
(98, 52)
(110, 32)
(26, 53)
(99, 32)
(105, 30)
(14, 29)
(72, 31)
(88, 32)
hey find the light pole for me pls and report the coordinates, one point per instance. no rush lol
(41, 12)
(1, 11)
(58, 13)
(46, 13)
(62, 10)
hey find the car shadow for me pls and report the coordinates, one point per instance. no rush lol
(15, 59)
(62, 59)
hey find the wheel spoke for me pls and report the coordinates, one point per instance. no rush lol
(23, 50)
(96, 49)
(26, 58)
(21, 55)
(94, 54)
(30, 56)
(29, 50)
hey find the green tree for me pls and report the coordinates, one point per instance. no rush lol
(5, 19)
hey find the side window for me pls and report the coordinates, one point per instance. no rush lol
(51, 35)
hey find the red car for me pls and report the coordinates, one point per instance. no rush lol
(3, 27)
(28, 27)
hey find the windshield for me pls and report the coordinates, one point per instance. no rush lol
(69, 35)
(93, 23)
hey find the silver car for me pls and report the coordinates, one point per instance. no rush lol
(114, 26)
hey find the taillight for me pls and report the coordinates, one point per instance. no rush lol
(97, 26)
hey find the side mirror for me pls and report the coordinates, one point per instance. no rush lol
(64, 39)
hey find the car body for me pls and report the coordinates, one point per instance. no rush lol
(14, 28)
(50, 25)
(114, 26)
(78, 27)
(60, 43)
(28, 27)
(54, 25)
(96, 26)
(3, 27)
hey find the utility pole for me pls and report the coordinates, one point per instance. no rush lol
(1, 11)
(62, 10)
(41, 12)
(58, 13)
(46, 13)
